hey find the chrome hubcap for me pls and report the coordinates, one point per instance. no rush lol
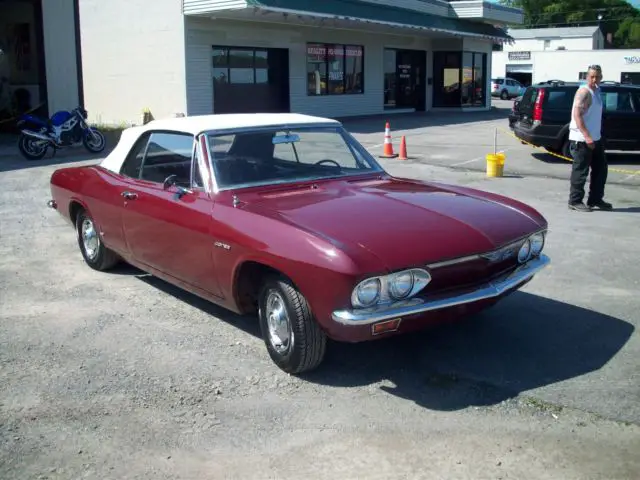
(280, 335)
(90, 239)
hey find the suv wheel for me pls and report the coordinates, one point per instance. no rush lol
(504, 95)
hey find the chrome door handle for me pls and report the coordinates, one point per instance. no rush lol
(129, 195)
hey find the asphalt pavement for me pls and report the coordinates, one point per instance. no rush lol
(462, 141)
(119, 375)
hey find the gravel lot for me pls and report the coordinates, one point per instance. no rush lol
(119, 375)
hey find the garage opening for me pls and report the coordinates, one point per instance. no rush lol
(522, 73)
(23, 86)
(250, 80)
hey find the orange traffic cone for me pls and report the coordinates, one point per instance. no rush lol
(387, 151)
(403, 149)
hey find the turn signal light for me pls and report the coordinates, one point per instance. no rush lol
(386, 326)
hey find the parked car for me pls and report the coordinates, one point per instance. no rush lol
(543, 116)
(288, 217)
(506, 88)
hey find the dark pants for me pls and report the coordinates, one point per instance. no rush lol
(583, 158)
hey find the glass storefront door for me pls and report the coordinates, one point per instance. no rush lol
(404, 79)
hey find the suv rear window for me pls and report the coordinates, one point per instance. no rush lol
(529, 98)
(560, 99)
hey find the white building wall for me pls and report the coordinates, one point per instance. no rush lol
(60, 58)
(202, 34)
(566, 65)
(133, 58)
(538, 44)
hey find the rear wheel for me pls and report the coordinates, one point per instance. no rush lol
(95, 254)
(32, 148)
(293, 339)
(504, 95)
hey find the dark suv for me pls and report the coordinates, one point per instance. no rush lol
(543, 114)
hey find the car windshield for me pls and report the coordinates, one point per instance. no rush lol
(265, 157)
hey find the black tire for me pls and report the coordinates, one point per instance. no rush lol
(91, 144)
(98, 257)
(504, 95)
(27, 152)
(306, 344)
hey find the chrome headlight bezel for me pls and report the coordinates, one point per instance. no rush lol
(356, 299)
(388, 287)
(524, 252)
(537, 243)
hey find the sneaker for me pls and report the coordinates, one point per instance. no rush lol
(602, 205)
(580, 207)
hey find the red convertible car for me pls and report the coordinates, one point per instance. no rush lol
(288, 216)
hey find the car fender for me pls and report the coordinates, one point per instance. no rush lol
(338, 274)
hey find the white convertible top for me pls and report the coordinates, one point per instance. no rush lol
(194, 125)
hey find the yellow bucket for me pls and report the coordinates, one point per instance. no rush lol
(495, 164)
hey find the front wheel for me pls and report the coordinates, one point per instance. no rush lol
(294, 340)
(95, 254)
(93, 140)
(32, 148)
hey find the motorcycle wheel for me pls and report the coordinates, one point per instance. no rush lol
(93, 140)
(32, 148)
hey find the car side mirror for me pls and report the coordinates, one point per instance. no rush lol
(169, 181)
(181, 192)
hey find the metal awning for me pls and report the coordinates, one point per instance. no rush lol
(360, 15)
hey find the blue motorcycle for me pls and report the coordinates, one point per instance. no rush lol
(63, 129)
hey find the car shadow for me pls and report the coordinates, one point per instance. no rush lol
(246, 323)
(523, 343)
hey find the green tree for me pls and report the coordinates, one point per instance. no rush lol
(619, 17)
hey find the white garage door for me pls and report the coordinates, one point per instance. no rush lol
(524, 68)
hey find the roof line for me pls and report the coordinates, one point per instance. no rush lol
(382, 22)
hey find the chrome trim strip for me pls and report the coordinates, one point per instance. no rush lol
(486, 255)
(454, 261)
(495, 288)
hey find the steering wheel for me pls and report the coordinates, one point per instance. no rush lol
(328, 160)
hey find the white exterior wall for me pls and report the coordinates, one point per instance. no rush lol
(133, 58)
(538, 44)
(60, 57)
(202, 34)
(566, 65)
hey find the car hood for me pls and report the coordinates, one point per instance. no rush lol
(403, 223)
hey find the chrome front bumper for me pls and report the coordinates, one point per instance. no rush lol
(413, 306)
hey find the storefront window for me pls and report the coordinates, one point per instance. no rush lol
(240, 65)
(334, 69)
(459, 79)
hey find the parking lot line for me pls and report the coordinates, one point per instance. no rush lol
(476, 159)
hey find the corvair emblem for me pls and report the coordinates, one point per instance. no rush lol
(222, 245)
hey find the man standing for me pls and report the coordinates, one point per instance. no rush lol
(585, 131)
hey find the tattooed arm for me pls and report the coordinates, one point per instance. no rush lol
(581, 104)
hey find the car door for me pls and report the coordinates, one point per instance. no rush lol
(166, 215)
(619, 119)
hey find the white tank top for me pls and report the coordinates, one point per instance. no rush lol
(592, 120)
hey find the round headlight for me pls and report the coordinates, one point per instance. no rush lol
(525, 251)
(537, 243)
(400, 285)
(367, 292)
